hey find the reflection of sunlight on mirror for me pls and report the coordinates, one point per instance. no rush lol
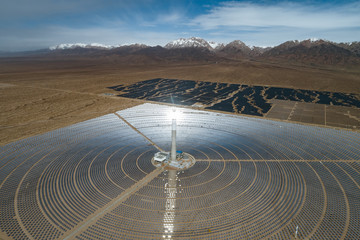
(174, 113)
(169, 215)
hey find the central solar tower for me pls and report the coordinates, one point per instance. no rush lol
(173, 137)
(175, 160)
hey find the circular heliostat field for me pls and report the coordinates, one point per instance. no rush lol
(252, 179)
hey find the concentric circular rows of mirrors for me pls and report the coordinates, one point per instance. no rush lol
(252, 179)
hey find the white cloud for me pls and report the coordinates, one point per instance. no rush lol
(234, 14)
(270, 25)
(174, 17)
(276, 36)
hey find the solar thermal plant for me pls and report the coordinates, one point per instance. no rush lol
(249, 178)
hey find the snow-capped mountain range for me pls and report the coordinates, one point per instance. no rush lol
(196, 42)
(197, 49)
(180, 43)
(82, 45)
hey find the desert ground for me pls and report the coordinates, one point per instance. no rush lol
(43, 94)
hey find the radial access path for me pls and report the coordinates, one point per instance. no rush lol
(90, 220)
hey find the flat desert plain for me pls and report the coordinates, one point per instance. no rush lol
(40, 94)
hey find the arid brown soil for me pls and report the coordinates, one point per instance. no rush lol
(38, 95)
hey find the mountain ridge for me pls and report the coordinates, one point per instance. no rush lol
(211, 45)
(313, 51)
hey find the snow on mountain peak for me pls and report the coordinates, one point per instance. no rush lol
(216, 45)
(192, 42)
(82, 45)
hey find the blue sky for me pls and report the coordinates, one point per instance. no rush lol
(36, 24)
